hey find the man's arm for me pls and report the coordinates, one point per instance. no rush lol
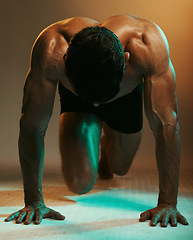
(38, 100)
(162, 113)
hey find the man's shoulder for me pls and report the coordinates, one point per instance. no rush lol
(48, 49)
(149, 41)
(135, 27)
(158, 48)
(62, 31)
(143, 39)
(51, 44)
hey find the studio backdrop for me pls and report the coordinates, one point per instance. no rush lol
(22, 21)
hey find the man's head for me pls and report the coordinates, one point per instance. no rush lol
(94, 64)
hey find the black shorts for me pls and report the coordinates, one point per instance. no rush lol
(124, 114)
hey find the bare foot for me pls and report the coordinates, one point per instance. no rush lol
(104, 170)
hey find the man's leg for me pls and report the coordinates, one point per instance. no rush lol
(79, 137)
(117, 152)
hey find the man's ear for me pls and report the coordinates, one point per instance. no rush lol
(126, 56)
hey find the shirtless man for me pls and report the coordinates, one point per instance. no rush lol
(101, 70)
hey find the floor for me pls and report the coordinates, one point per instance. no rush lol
(109, 211)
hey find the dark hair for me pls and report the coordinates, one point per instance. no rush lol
(94, 64)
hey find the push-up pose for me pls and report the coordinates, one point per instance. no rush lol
(102, 70)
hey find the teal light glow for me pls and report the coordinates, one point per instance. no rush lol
(89, 135)
(114, 198)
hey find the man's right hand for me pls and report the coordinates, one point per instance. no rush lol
(34, 212)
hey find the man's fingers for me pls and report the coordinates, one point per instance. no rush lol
(165, 220)
(36, 214)
(21, 217)
(29, 217)
(154, 221)
(38, 218)
(57, 215)
(145, 216)
(54, 214)
(13, 216)
(173, 221)
(182, 219)
(60, 217)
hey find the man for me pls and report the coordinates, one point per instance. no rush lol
(101, 69)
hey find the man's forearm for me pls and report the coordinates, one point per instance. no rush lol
(168, 162)
(31, 153)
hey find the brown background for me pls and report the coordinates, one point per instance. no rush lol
(22, 21)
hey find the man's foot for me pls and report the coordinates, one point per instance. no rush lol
(104, 169)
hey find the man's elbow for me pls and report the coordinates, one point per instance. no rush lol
(168, 122)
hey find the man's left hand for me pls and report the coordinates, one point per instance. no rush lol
(163, 213)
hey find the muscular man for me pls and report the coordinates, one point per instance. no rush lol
(101, 70)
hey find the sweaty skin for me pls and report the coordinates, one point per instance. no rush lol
(147, 58)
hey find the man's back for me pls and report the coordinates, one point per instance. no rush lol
(142, 39)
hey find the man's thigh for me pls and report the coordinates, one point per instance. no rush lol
(79, 137)
(120, 148)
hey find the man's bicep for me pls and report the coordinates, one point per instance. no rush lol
(38, 100)
(39, 88)
(160, 98)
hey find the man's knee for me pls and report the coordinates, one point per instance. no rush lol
(81, 184)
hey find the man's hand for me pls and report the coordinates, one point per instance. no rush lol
(163, 213)
(35, 212)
